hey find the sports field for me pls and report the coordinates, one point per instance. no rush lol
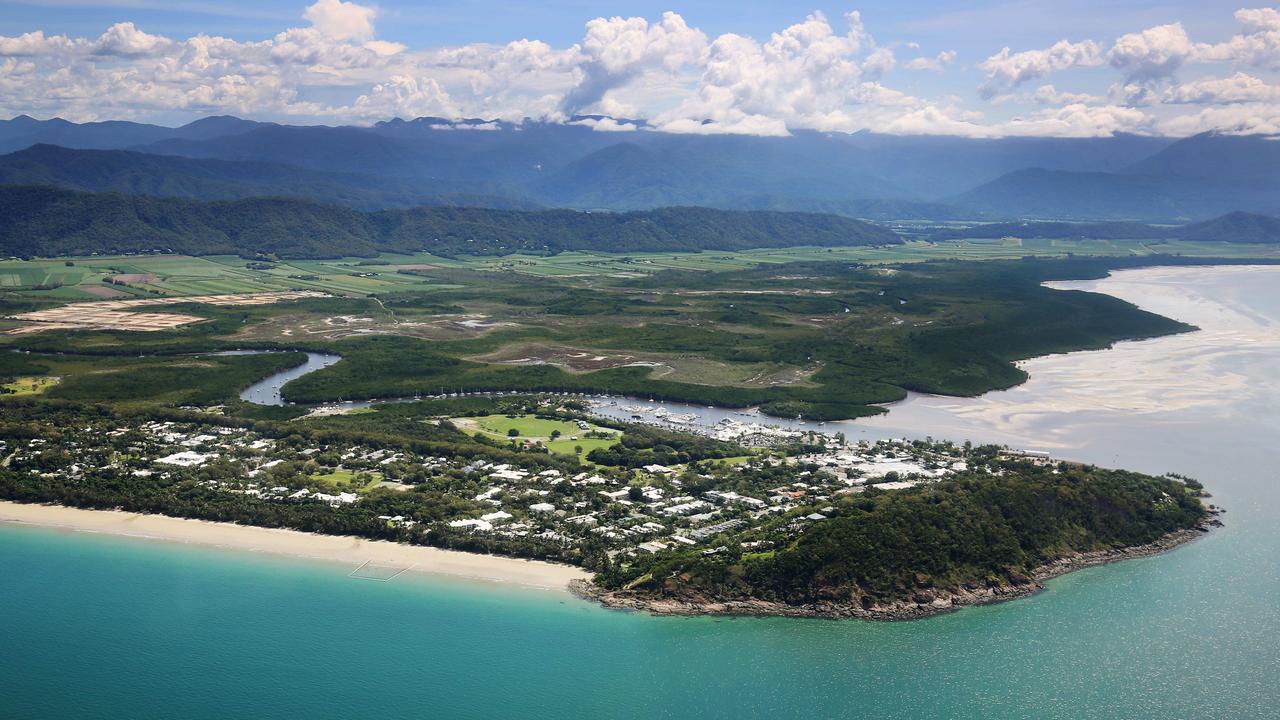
(540, 430)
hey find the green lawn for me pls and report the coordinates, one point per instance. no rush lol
(539, 430)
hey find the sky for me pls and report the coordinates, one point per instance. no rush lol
(964, 67)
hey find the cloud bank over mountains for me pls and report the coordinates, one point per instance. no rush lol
(822, 73)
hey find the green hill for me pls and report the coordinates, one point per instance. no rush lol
(1236, 227)
(42, 221)
(205, 179)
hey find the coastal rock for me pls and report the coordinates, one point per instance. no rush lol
(921, 604)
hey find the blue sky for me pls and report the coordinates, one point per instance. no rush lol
(1155, 67)
(968, 25)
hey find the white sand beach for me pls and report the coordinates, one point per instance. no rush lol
(350, 551)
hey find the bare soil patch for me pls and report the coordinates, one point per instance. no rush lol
(104, 292)
(129, 278)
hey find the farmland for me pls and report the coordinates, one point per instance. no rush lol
(180, 276)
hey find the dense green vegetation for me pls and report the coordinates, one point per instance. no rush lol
(964, 532)
(949, 328)
(821, 340)
(42, 221)
(642, 445)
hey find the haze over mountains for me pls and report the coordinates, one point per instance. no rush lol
(430, 161)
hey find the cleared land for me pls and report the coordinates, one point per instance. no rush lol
(181, 275)
(30, 385)
(538, 430)
(122, 315)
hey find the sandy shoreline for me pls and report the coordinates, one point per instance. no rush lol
(346, 550)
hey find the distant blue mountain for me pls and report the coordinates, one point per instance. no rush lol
(400, 162)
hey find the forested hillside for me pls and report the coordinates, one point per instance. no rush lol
(41, 221)
(205, 179)
(963, 535)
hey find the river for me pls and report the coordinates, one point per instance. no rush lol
(98, 627)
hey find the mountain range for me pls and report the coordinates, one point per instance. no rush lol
(434, 161)
(438, 162)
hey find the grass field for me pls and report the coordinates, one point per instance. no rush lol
(344, 479)
(539, 430)
(30, 385)
(181, 275)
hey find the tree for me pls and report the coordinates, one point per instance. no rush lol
(513, 433)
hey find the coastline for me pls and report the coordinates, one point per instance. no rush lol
(926, 604)
(335, 549)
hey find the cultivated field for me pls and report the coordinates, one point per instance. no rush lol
(96, 278)
(181, 275)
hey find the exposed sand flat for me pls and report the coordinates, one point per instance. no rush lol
(349, 551)
(1202, 375)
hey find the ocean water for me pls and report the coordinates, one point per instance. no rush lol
(104, 627)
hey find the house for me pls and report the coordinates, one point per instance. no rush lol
(474, 524)
(187, 458)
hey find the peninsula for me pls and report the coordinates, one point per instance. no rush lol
(500, 443)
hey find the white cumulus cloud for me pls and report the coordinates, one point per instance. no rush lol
(937, 63)
(342, 20)
(820, 73)
(1008, 70)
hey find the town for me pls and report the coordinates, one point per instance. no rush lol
(539, 504)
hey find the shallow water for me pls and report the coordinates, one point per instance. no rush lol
(110, 627)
